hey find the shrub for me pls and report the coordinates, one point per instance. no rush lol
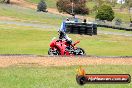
(42, 6)
(105, 12)
(78, 5)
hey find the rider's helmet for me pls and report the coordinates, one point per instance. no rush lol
(69, 42)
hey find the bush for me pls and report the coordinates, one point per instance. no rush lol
(66, 6)
(42, 6)
(105, 12)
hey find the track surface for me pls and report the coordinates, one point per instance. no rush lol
(24, 60)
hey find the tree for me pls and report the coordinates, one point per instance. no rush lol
(42, 6)
(105, 12)
(70, 6)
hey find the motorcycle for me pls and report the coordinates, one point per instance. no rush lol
(62, 47)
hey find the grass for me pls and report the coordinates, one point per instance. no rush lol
(50, 3)
(106, 45)
(28, 40)
(114, 30)
(16, 39)
(90, 4)
(57, 77)
(29, 15)
(123, 16)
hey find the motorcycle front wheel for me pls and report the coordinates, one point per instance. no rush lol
(80, 51)
(53, 52)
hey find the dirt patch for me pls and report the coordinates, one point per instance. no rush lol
(23, 3)
(6, 18)
(6, 61)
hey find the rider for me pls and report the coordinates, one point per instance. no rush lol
(62, 34)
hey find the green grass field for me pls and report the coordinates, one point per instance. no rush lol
(57, 77)
(28, 40)
(29, 15)
(50, 3)
(16, 39)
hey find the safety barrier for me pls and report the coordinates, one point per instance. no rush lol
(81, 28)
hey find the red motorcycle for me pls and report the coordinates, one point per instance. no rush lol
(62, 47)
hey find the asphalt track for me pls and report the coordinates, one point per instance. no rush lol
(37, 60)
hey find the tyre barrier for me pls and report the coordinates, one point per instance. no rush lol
(82, 28)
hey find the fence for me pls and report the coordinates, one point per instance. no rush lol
(121, 26)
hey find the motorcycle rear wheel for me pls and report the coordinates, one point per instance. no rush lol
(53, 52)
